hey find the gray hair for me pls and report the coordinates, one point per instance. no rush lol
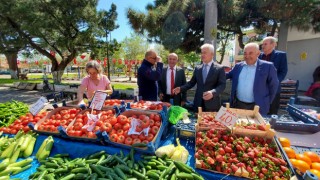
(173, 54)
(255, 45)
(271, 39)
(209, 46)
(94, 65)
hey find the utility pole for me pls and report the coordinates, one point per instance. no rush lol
(210, 23)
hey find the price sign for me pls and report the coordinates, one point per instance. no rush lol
(226, 117)
(38, 106)
(98, 100)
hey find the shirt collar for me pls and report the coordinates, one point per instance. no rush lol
(209, 63)
(174, 68)
(255, 64)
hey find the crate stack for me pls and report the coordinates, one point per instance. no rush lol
(289, 88)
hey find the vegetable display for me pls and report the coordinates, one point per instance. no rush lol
(117, 166)
(10, 111)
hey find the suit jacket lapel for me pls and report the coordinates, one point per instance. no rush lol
(256, 77)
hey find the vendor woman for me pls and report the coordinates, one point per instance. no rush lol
(93, 82)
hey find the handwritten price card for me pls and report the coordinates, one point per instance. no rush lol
(226, 117)
(38, 106)
(98, 100)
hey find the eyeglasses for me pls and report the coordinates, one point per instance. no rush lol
(153, 57)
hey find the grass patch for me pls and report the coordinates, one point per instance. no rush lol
(122, 86)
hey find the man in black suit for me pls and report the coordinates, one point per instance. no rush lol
(210, 79)
(172, 76)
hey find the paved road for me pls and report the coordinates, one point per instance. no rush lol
(26, 96)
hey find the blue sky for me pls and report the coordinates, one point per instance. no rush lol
(124, 29)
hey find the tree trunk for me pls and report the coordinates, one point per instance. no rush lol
(210, 22)
(12, 62)
(57, 72)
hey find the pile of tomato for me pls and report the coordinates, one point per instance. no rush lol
(62, 118)
(208, 121)
(221, 151)
(119, 132)
(149, 105)
(113, 102)
(22, 123)
(106, 121)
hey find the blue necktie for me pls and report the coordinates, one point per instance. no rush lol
(204, 72)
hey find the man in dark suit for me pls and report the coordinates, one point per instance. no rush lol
(254, 81)
(279, 60)
(149, 73)
(210, 79)
(172, 76)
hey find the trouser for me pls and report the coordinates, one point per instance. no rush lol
(275, 105)
(243, 105)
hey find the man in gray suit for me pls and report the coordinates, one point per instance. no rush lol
(172, 76)
(210, 79)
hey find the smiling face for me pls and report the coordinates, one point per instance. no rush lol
(251, 53)
(172, 60)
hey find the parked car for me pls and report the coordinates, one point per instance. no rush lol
(4, 72)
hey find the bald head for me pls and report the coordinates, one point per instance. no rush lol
(151, 56)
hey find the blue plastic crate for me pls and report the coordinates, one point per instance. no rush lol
(186, 130)
(298, 113)
(287, 123)
(152, 146)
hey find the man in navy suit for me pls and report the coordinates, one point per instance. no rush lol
(254, 81)
(279, 60)
(172, 76)
(149, 73)
(210, 79)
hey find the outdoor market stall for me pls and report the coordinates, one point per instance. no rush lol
(189, 134)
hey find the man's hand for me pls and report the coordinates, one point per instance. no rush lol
(207, 95)
(161, 96)
(176, 90)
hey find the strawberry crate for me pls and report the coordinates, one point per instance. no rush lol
(156, 106)
(223, 152)
(132, 141)
(61, 116)
(78, 128)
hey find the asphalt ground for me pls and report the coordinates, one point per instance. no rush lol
(26, 96)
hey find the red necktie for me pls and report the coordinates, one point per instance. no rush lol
(172, 81)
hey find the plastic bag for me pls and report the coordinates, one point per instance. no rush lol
(167, 150)
(180, 153)
(176, 113)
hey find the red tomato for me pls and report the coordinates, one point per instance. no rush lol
(139, 128)
(66, 116)
(142, 137)
(78, 133)
(26, 128)
(63, 122)
(13, 131)
(122, 119)
(126, 126)
(145, 122)
(128, 141)
(117, 126)
(157, 123)
(114, 137)
(142, 116)
(150, 137)
(91, 135)
(154, 130)
(134, 136)
(121, 139)
(99, 123)
(63, 112)
(151, 116)
(120, 131)
(108, 127)
(70, 132)
(104, 118)
(125, 134)
(152, 122)
(113, 120)
(157, 117)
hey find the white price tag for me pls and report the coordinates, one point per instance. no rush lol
(38, 106)
(92, 120)
(98, 100)
(226, 117)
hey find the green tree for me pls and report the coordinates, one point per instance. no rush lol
(63, 27)
(233, 16)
